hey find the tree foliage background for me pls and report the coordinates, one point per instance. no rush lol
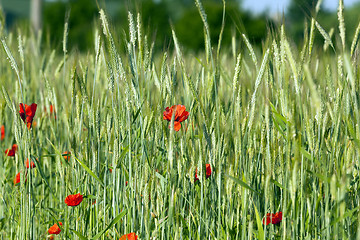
(159, 15)
(301, 11)
(156, 15)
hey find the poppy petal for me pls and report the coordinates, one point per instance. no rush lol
(22, 111)
(196, 176)
(267, 219)
(2, 132)
(28, 110)
(14, 147)
(17, 178)
(184, 116)
(54, 229)
(67, 155)
(29, 165)
(180, 115)
(129, 236)
(177, 126)
(27, 113)
(179, 111)
(73, 200)
(167, 114)
(277, 218)
(208, 170)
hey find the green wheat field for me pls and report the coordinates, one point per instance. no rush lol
(278, 126)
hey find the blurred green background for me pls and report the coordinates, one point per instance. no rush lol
(158, 15)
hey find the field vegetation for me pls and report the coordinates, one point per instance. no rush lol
(269, 148)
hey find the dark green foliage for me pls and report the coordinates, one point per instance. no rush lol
(157, 16)
(82, 14)
(297, 13)
(190, 27)
(156, 21)
(301, 11)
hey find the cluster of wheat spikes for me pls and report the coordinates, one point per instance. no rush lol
(280, 128)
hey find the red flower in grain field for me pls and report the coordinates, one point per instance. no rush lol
(27, 113)
(196, 177)
(274, 218)
(52, 110)
(17, 178)
(180, 115)
(11, 152)
(208, 172)
(267, 219)
(129, 236)
(74, 200)
(67, 155)
(277, 218)
(2, 132)
(31, 165)
(54, 229)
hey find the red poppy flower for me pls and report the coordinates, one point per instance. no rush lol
(11, 152)
(54, 229)
(52, 111)
(31, 165)
(67, 155)
(2, 132)
(274, 218)
(180, 115)
(27, 113)
(277, 218)
(129, 236)
(74, 200)
(267, 219)
(208, 172)
(17, 178)
(196, 177)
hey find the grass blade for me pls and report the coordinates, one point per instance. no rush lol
(113, 222)
(87, 169)
(243, 184)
